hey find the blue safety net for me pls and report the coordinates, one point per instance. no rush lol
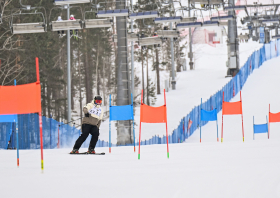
(121, 112)
(8, 118)
(208, 115)
(260, 128)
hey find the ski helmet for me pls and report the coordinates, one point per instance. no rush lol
(98, 100)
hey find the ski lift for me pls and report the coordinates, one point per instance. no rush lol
(188, 25)
(189, 20)
(66, 2)
(113, 13)
(232, 8)
(168, 33)
(66, 24)
(270, 21)
(222, 18)
(168, 19)
(144, 15)
(150, 41)
(25, 28)
(210, 23)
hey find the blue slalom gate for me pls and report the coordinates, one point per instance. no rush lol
(260, 128)
(119, 113)
(209, 116)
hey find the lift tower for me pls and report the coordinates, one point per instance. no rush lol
(124, 135)
(232, 43)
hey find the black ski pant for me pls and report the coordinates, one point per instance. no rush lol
(86, 130)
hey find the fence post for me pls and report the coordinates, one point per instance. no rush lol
(50, 131)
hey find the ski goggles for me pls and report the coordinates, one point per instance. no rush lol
(98, 101)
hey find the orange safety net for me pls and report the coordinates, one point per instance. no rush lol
(20, 99)
(274, 117)
(232, 108)
(150, 114)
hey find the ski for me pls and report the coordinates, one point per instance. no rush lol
(86, 153)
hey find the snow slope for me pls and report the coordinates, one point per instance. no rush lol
(207, 78)
(232, 169)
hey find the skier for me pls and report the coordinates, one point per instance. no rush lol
(72, 18)
(60, 33)
(90, 125)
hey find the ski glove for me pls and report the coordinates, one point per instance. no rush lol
(87, 114)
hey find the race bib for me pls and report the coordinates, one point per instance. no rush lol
(95, 111)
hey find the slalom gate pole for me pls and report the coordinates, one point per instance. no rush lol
(40, 117)
(133, 120)
(139, 142)
(217, 120)
(166, 124)
(269, 121)
(267, 128)
(134, 135)
(110, 124)
(242, 118)
(109, 136)
(41, 140)
(200, 119)
(222, 132)
(16, 121)
(167, 141)
(253, 127)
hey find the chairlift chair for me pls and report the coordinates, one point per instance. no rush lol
(222, 18)
(113, 13)
(276, 37)
(66, 24)
(207, 2)
(168, 33)
(232, 8)
(98, 23)
(144, 15)
(270, 21)
(150, 41)
(66, 2)
(189, 20)
(25, 28)
(168, 19)
(210, 23)
(188, 25)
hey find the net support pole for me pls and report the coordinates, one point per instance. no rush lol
(166, 125)
(253, 127)
(242, 117)
(110, 124)
(222, 132)
(200, 119)
(16, 121)
(217, 119)
(58, 136)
